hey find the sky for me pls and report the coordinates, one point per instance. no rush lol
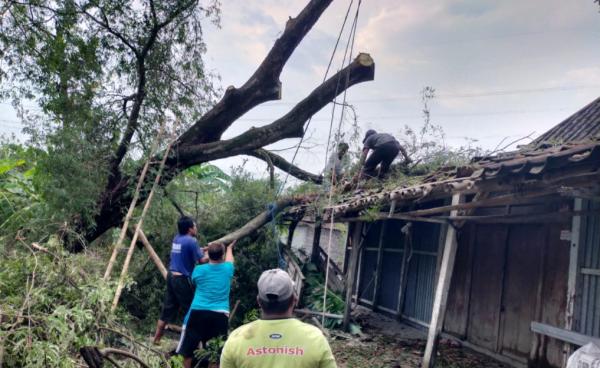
(501, 69)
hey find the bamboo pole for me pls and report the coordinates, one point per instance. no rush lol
(136, 195)
(484, 202)
(155, 258)
(139, 227)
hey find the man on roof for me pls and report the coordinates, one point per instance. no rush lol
(384, 149)
(334, 170)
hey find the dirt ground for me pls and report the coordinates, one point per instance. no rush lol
(387, 343)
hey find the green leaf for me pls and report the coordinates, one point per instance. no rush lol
(8, 164)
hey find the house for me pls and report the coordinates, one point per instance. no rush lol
(502, 255)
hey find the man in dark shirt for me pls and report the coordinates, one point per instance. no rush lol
(185, 253)
(385, 149)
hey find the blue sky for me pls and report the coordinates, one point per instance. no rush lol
(500, 68)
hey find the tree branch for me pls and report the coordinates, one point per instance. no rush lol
(263, 85)
(140, 94)
(289, 126)
(263, 218)
(104, 24)
(198, 145)
(286, 166)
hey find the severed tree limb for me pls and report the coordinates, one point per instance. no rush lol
(262, 219)
(286, 166)
(291, 125)
(199, 143)
(262, 86)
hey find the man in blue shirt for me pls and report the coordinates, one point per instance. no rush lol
(185, 253)
(208, 316)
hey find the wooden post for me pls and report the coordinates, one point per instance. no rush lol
(315, 254)
(573, 273)
(155, 258)
(378, 266)
(291, 230)
(351, 274)
(441, 291)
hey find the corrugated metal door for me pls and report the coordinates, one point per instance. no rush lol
(391, 266)
(420, 283)
(368, 263)
(589, 243)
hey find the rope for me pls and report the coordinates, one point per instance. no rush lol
(324, 79)
(351, 39)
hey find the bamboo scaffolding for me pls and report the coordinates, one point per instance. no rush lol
(138, 227)
(136, 195)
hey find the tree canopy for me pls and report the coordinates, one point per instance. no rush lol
(107, 73)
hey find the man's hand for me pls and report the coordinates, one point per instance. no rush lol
(232, 244)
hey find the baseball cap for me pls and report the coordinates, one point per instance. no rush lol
(275, 285)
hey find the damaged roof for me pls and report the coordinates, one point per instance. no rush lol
(567, 154)
(550, 167)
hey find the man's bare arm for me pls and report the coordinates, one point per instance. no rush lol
(229, 254)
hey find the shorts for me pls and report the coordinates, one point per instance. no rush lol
(179, 294)
(201, 326)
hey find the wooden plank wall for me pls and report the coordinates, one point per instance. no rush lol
(505, 277)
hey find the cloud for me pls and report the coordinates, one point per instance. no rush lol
(460, 47)
(583, 76)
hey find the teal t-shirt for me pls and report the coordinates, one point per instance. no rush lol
(213, 282)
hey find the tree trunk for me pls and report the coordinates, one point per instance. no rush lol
(202, 141)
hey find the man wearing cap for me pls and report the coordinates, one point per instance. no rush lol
(385, 149)
(208, 316)
(277, 339)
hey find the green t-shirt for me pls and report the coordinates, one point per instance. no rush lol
(277, 343)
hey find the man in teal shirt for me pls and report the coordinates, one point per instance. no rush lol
(208, 316)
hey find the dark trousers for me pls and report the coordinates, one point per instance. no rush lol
(382, 156)
(179, 295)
(201, 326)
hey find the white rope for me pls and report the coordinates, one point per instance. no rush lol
(351, 38)
(324, 79)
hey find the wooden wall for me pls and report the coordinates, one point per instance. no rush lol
(505, 277)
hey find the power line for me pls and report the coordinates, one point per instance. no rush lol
(446, 115)
(465, 95)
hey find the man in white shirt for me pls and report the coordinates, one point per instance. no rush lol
(335, 165)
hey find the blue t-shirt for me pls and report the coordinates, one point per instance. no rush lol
(213, 282)
(185, 252)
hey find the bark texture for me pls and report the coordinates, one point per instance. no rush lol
(202, 142)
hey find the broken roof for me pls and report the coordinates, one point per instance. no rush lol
(519, 171)
(567, 154)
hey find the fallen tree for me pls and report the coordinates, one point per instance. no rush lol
(141, 43)
(263, 218)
